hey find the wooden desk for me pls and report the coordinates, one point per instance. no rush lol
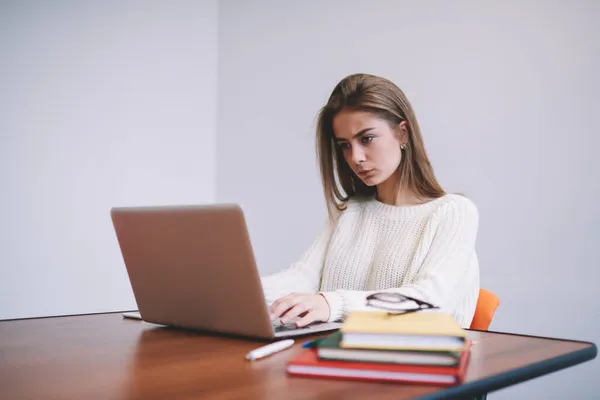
(106, 357)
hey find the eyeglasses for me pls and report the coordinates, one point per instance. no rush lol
(397, 304)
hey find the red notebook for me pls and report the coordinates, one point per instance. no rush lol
(307, 363)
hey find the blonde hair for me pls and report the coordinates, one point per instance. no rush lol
(381, 97)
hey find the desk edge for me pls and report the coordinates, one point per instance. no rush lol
(518, 375)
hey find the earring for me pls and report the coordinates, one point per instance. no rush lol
(403, 146)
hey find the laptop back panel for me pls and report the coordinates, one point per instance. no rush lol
(193, 267)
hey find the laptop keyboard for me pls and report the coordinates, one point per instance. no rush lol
(285, 327)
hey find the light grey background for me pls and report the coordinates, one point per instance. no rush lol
(507, 94)
(102, 103)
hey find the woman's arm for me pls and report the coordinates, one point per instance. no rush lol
(301, 276)
(449, 271)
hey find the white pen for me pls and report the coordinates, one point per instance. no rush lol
(269, 349)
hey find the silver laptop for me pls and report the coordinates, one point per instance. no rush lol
(193, 267)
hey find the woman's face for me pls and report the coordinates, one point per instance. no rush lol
(370, 146)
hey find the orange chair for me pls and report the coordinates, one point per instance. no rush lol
(487, 303)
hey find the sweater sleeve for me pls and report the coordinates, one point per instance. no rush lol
(303, 276)
(447, 275)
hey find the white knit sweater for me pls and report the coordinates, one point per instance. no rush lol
(425, 251)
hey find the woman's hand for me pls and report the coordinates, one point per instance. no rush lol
(310, 307)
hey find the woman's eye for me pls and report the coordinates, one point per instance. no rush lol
(344, 146)
(366, 139)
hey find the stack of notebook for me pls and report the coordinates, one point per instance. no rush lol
(416, 347)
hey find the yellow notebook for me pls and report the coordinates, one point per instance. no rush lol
(414, 331)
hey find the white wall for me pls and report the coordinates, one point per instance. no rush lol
(102, 103)
(507, 94)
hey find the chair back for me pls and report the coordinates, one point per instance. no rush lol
(487, 303)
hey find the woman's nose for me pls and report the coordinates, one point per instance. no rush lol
(358, 155)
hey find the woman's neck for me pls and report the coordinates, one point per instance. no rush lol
(389, 193)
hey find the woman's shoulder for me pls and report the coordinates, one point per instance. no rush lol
(359, 200)
(358, 203)
(349, 209)
(459, 200)
(457, 205)
(351, 206)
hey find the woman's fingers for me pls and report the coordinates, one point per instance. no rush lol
(309, 318)
(282, 305)
(297, 310)
(319, 311)
(309, 307)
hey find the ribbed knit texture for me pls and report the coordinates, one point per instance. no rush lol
(425, 251)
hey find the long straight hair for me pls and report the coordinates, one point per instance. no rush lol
(381, 97)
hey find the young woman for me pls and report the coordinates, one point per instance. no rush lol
(392, 228)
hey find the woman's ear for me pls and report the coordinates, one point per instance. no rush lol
(402, 132)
